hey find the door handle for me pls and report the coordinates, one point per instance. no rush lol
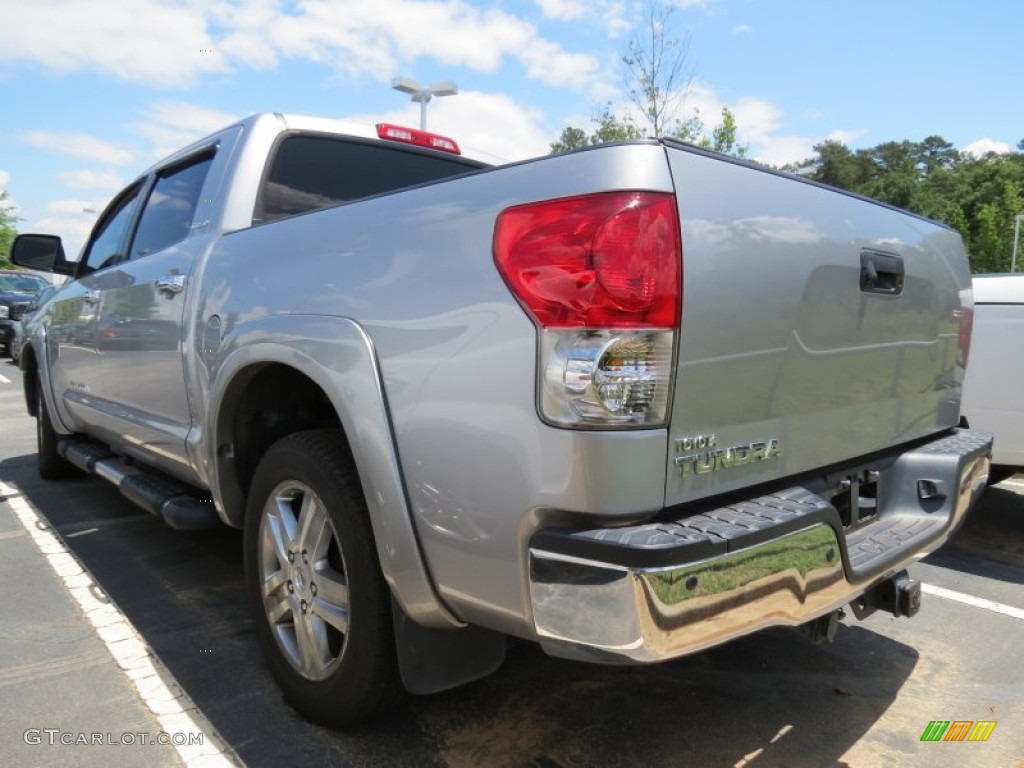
(171, 283)
(881, 272)
(91, 297)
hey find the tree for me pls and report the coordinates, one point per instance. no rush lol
(655, 71)
(723, 137)
(7, 230)
(656, 79)
(979, 197)
(608, 128)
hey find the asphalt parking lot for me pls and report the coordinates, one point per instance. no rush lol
(771, 699)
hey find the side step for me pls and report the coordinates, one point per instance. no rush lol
(175, 502)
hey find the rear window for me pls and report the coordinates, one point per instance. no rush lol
(312, 172)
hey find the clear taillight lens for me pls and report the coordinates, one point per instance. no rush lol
(605, 378)
(600, 277)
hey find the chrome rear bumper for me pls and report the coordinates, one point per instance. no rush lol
(653, 592)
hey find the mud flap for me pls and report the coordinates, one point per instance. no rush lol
(433, 660)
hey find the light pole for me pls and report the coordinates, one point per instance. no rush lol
(1016, 239)
(424, 95)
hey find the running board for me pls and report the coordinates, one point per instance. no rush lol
(173, 501)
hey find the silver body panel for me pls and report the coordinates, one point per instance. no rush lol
(779, 341)
(994, 385)
(394, 308)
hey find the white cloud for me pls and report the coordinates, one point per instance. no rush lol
(780, 150)
(845, 137)
(5, 178)
(157, 42)
(80, 144)
(173, 125)
(758, 125)
(563, 10)
(981, 147)
(72, 206)
(91, 179)
(169, 43)
(488, 126)
(741, 29)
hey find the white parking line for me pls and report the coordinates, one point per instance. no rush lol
(122, 640)
(4, 379)
(977, 602)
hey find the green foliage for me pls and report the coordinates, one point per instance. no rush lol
(608, 127)
(7, 230)
(979, 197)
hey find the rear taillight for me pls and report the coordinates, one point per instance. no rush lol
(419, 138)
(600, 277)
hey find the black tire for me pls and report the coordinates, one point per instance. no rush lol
(51, 465)
(337, 677)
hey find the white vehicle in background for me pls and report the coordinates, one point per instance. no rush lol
(994, 384)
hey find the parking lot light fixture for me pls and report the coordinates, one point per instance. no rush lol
(424, 95)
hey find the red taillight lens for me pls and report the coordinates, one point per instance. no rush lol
(609, 260)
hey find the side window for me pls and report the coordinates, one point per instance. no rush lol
(170, 209)
(105, 248)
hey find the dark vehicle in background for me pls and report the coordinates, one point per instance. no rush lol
(18, 337)
(19, 292)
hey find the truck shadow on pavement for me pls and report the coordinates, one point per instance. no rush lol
(991, 541)
(769, 699)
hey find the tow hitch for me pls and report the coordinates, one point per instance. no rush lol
(899, 595)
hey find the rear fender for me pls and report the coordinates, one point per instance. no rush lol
(339, 357)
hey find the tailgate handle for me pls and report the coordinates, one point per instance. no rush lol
(881, 272)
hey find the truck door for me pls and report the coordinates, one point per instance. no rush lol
(141, 328)
(71, 341)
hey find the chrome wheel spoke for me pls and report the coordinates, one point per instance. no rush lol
(332, 588)
(274, 582)
(321, 649)
(335, 615)
(305, 639)
(278, 609)
(314, 532)
(281, 526)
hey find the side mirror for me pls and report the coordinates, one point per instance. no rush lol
(43, 253)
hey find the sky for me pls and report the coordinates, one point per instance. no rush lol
(92, 92)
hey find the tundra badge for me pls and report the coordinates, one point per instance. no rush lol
(698, 455)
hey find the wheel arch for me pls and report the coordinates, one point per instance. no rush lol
(326, 370)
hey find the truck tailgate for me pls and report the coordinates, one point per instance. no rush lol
(816, 327)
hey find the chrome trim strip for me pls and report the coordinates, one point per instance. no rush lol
(584, 609)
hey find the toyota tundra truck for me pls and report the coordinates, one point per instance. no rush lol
(628, 402)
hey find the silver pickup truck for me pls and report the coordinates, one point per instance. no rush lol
(628, 402)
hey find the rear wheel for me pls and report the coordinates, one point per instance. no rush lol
(52, 466)
(321, 606)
